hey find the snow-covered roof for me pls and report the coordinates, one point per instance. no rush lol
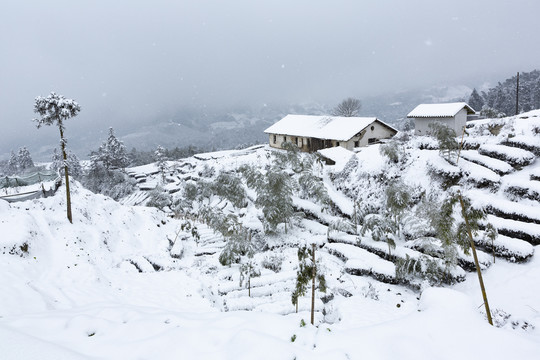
(337, 154)
(322, 127)
(439, 110)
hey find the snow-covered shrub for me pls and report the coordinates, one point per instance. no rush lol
(344, 175)
(207, 171)
(442, 170)
(190, 191)
(225, 224)
(536, 129)
(523, 190)
(114, 183)
(393, 151)
(535, 175)
(422, 267)
(273, 262)
(229, 186)
(524, 142)
(312, 187)
(514, 156)
(238, 245)
(446, 138)
(424, 143)
(159, 198)
(274, 197)
(370, 292)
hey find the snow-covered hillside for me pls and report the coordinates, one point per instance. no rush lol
(133, 282)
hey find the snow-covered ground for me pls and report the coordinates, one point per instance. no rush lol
(126, 282)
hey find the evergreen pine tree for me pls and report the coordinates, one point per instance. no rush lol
(57, 162)
(476, 101)
(73, 163)
(111, 153)
(161, 161)
(117, 151)
(13, 164)
(24, 159)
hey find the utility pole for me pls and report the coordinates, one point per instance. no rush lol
(313, 274)
(517, 94)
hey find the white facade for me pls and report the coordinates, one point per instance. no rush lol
(372, 132)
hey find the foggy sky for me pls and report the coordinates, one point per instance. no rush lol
(129, 61)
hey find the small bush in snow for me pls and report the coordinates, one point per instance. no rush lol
(207, 171)
(273, 262)
(113, 183)
(393, 151)
(159, 198)
(446, 137)
(370, 292)
(229, 186)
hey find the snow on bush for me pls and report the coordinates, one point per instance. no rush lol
(535, 174)
(479, 175)
(517, 229)
(498, 166)
(529, 143)
(442, 169)
(514, 250)
(514, 156)
(523, 189)
(424, 143)
(504, 208)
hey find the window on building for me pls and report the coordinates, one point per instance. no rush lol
(372, 128)
(275, 139)
(296, 141)
(372, 140)
(337, 143)
(356, 143)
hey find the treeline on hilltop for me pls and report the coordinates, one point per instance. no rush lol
(105, 172)
(500, 100)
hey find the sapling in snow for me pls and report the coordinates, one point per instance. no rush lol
(387, 225)
(309, 270)
(446, 137)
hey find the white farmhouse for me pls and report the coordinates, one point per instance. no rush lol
(452, 114)
(311, 133)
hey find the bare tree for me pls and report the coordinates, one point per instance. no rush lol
(54, 110)
(349, 107)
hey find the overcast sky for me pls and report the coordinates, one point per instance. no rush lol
(127, 61)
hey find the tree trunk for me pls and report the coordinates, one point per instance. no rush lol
(313, 273)
(478, 271)
(68, 196)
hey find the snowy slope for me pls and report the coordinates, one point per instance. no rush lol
(126, 282)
